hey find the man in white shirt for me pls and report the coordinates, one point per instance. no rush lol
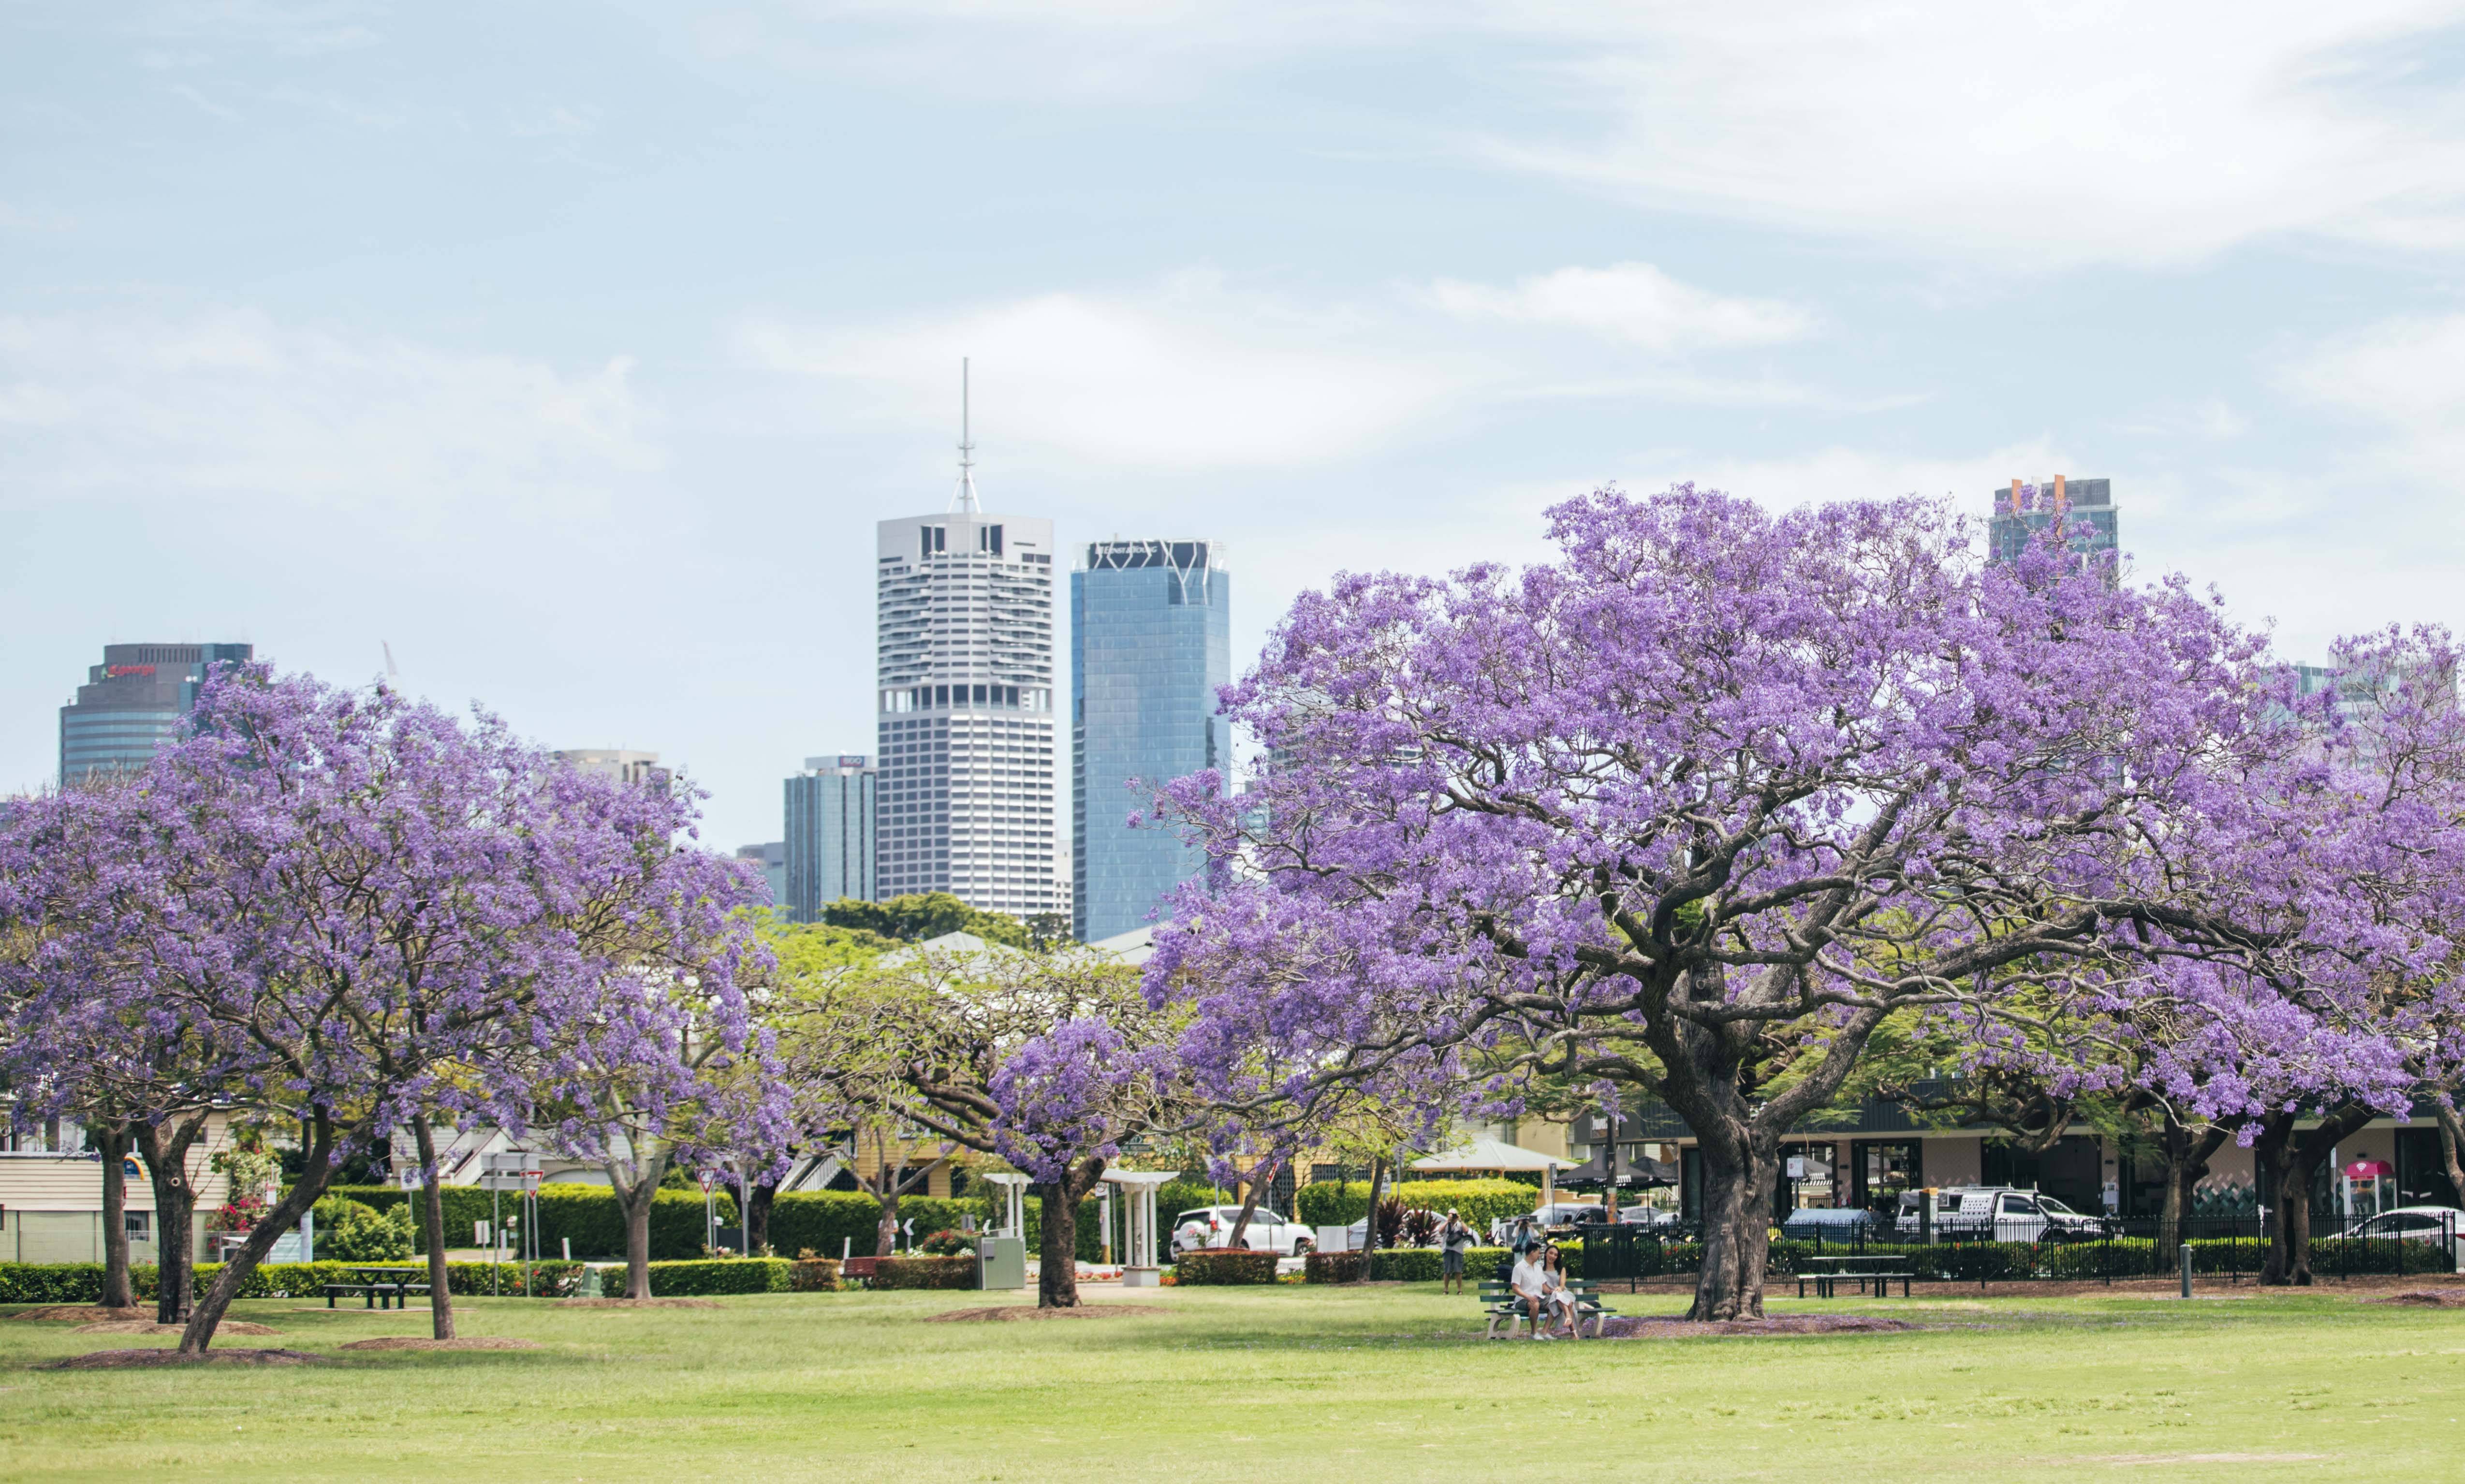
(1531, 1284)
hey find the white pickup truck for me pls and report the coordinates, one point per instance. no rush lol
(1993, 1213)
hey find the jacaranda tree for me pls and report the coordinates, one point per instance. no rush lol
(359, 911)
(1697, 805)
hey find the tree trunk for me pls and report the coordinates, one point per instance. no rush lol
(1370, 1223)
(757, 1214)
(886, 1231)
(2450, 1135)
(1738, 1178)
(175, 1211)
(111, 1142)
(1259, 1174)
(2292, 1161)
(1057, 1248)
(431, 1221)
(2186, 1164)
(316, 1172)
(635, 1200)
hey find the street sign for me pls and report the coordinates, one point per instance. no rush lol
(410, 1177)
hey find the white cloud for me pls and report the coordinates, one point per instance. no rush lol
(1634, 302)
(2404, 375)
(2021, 136)
(1191, 377)
(234, 414)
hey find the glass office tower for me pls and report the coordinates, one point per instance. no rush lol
(2084, 506)
(1150, 642)
(831, 835)
(132, 702)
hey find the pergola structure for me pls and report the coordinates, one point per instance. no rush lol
(1013, 1203)
(1138, 1268)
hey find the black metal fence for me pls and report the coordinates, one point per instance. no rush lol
(2100, 1251)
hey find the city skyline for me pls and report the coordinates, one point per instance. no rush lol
(574, 371)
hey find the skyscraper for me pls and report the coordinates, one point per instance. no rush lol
(965, 707)
(772, 861)
(639, 769)
(132, 701)
(831, 834)
(1150, 641)
(2084, 506)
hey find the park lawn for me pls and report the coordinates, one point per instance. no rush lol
(1359, 1384)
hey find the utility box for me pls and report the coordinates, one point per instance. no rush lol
(1001, 1262)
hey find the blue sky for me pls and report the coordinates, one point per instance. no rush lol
(572, 350)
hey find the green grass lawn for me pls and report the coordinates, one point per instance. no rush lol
(1272, 1385)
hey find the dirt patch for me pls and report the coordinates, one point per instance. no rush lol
(82, 1314)
(640, 1303)
(2426, 1299)
(420, 1343)
(135, 1360)
(997, 1314)
(149, 1327)
(1783, 1324)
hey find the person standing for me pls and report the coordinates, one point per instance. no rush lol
(1454, 1244)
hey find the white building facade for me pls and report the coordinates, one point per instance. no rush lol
(966, 677)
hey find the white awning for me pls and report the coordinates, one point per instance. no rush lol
(1489, 1154)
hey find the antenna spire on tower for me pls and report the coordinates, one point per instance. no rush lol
(965, 500)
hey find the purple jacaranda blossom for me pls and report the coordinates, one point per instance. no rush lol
(357, 912)
(1700, 804)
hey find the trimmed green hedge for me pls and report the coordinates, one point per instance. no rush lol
(1323, 1203)
(82, 1282)
(924, 1272)
(1230, 1264)
(586, 1215)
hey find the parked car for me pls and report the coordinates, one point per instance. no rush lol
(2438, 1224)
(1211, 1226)
(1646, 1217)
(1994, 1213)
(1557, 1216)
(1835, 1225)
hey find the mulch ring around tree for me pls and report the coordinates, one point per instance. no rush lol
(640, 1303)
(134, 1360)
(2426, 1299)
(460, 1343)
(996, 1314)
(149, 1327)
(83, 1314)
(1783, 1324)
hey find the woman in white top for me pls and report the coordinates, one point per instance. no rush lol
(1562, 1299)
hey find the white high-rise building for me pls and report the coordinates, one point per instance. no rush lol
(965, 686)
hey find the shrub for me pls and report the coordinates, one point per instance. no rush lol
(925, 1272)
(947, 1243)
(1331, 1268)
(507, 1280)
(812, 1275)
(351, 1230)
(1425, 1265)
(1223, 1265)
(720, 1275)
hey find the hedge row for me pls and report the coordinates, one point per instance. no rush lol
(1224, 1265)
(82, 1282)
(587, 1215)
(1324, 1203)
(924, 1272)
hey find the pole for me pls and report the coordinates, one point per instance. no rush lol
(496, 1234)
(2187, 1270)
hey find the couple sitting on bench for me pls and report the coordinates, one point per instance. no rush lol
(1540, 1285)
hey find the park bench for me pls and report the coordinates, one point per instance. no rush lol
(854, 1268)
(1500, 1305)
(1880, 1270)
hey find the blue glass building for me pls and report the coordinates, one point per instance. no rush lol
(132, 702)
(831, 835)
(2085, 507)
(1150, 642)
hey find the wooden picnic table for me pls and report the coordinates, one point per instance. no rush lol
(384, 1287)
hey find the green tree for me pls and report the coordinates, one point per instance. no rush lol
(925, 915)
